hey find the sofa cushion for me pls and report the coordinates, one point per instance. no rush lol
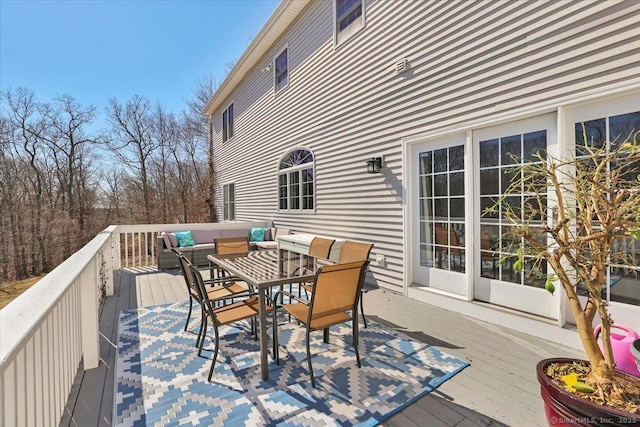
(281, 232)
(234, 232)
(266, 245)
(257, 234)
(204, 236)
(167, 241)
(171, 237)
(184, 238)
(203, 246)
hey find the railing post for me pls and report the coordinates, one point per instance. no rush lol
(115, 251)
(89, 285)
(107, 259)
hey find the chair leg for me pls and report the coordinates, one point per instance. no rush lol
(313, 380)
(254, 328)
(356, 339)
(215, 354)
(364, 319)
(290, 299)
(189, 314)
(276, 356)
(201, 338)
(203, 321)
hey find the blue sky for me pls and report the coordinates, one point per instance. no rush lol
(96, 50)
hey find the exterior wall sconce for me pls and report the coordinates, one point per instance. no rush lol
(374, 165)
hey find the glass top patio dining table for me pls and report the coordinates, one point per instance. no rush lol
(264, 269)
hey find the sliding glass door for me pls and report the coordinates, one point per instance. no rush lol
(501, 150)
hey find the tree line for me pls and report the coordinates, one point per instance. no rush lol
(62, 180)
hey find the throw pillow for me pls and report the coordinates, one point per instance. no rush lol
(167, 241)
(185, 239)
(257, 234)
(173, 240)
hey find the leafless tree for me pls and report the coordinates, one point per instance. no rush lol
(200, 129)
(46, 188)
(132, 142)
(62, 181)
(165, 132)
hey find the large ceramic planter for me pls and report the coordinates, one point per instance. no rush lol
(564, 408)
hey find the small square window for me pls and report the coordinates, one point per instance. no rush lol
(227, 123)
(229, 202)
(349, 16)
(281, 76)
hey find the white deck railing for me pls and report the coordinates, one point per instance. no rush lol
(48, 330)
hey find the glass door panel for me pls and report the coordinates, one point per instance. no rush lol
(442, 216)
(502, 150)
(607, 121)
(440, 254)
(622, 280)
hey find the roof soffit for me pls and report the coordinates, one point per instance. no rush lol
(279, 21)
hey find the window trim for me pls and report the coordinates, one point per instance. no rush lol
(296, 169)
(336, 42)
(277, 89)
(228, 215)
(228, 123)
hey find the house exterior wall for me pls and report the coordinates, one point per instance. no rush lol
(469, 61)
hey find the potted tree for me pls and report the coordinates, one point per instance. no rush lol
(578, 213)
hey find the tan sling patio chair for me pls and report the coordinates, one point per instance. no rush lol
(224, 315)
(228, 245)
(334, 300)
(319, 248)
(354, 251)
(218, 291)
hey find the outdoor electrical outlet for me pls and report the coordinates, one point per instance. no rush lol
(380, 260)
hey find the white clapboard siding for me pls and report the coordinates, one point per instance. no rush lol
(468, 60)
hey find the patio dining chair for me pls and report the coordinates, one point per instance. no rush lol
(218, 291)
(355, 251)
(334, 300)
(223, 315)
(319, 248)
(228, 245)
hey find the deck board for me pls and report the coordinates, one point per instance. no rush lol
(499, 388)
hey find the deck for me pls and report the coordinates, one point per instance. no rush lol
(499, 388)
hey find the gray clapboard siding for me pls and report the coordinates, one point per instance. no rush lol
(469, 61)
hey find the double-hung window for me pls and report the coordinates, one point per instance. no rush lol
(229, 202)
(282, 70)
(227, 123)
(296, 181)
(349, 16)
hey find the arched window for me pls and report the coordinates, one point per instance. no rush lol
(295, 181)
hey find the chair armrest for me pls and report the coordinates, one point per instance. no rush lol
(290, 295)
(160, 244)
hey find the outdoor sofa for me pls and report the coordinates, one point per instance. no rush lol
(202, 242)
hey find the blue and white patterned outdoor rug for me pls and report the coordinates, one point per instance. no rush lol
(160, 380)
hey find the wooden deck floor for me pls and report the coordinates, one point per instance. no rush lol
(499, 388)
